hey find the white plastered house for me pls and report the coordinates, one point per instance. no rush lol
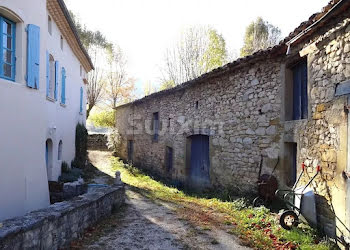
(43, 67)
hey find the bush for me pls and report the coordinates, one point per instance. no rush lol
(81, 136)
(64, 167)
(72, 175)
(103, 119)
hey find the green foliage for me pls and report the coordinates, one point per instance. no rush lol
(81, 135)
(167, 85)
(71, 175)
(216, 55)
(256, 227)
(64, 167)
(90, 38)
(103, 119)
(199, 50)
(259, 35)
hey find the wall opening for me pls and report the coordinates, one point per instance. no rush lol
(49, 158)
(169, 159)
(155, 128)
(49, 25)
(291, 154)
(60, 151)
(199, 161)
(61, 42)
(296, 91)
(130, 150)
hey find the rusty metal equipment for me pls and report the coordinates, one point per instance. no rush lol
(267, 187)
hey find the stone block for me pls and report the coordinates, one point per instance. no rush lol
(320, 107)
(329, 156)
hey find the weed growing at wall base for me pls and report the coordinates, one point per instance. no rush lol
(256, 227)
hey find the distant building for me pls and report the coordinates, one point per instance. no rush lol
(43, 67)
(289, 102)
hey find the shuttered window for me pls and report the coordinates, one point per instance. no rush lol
(300, 98)
(51, 77)
(81, 99)
(7, 49)
(33, 56)
(56, 79)
(63, 90)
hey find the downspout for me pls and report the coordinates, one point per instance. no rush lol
(305, 31)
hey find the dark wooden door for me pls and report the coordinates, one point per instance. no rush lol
(130, 150)
(200, 164)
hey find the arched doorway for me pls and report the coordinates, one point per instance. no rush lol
(48, 158)
(199, 163)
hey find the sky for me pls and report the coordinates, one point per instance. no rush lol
(144, 29)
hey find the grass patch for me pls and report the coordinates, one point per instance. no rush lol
(256, 227)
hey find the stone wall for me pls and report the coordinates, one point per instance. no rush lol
(97, 142)
(322, 139)
(240, 111)
(56, 226)
(246, 111)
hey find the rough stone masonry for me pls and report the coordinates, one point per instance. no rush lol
(246, 110)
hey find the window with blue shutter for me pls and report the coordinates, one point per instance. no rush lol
(47, 74)
(81, 99)
(7, 49)
(300, 98)
(63, 90)
(33, 56)
(56, 80)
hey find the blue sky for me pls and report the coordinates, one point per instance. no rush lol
(144, 29)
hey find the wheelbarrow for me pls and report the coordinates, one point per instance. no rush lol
(300, 201)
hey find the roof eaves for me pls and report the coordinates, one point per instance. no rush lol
(74, 30)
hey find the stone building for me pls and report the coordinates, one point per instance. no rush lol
(287, 105)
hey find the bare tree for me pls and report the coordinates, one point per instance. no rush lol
(199, 50)
(119, 86)
(95, 81)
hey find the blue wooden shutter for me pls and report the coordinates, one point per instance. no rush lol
(296, 94)
(304, 99)
(56, 79)
(47, 73)
(33, 56)
(81, 99)
(63, 91)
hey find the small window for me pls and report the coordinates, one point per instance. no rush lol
(197, 104)
(81, 100)
(61, 42)
(155, 126)
(169, 122)
(49, 23)
(7, 49)
(60, 151)
(168, 158)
